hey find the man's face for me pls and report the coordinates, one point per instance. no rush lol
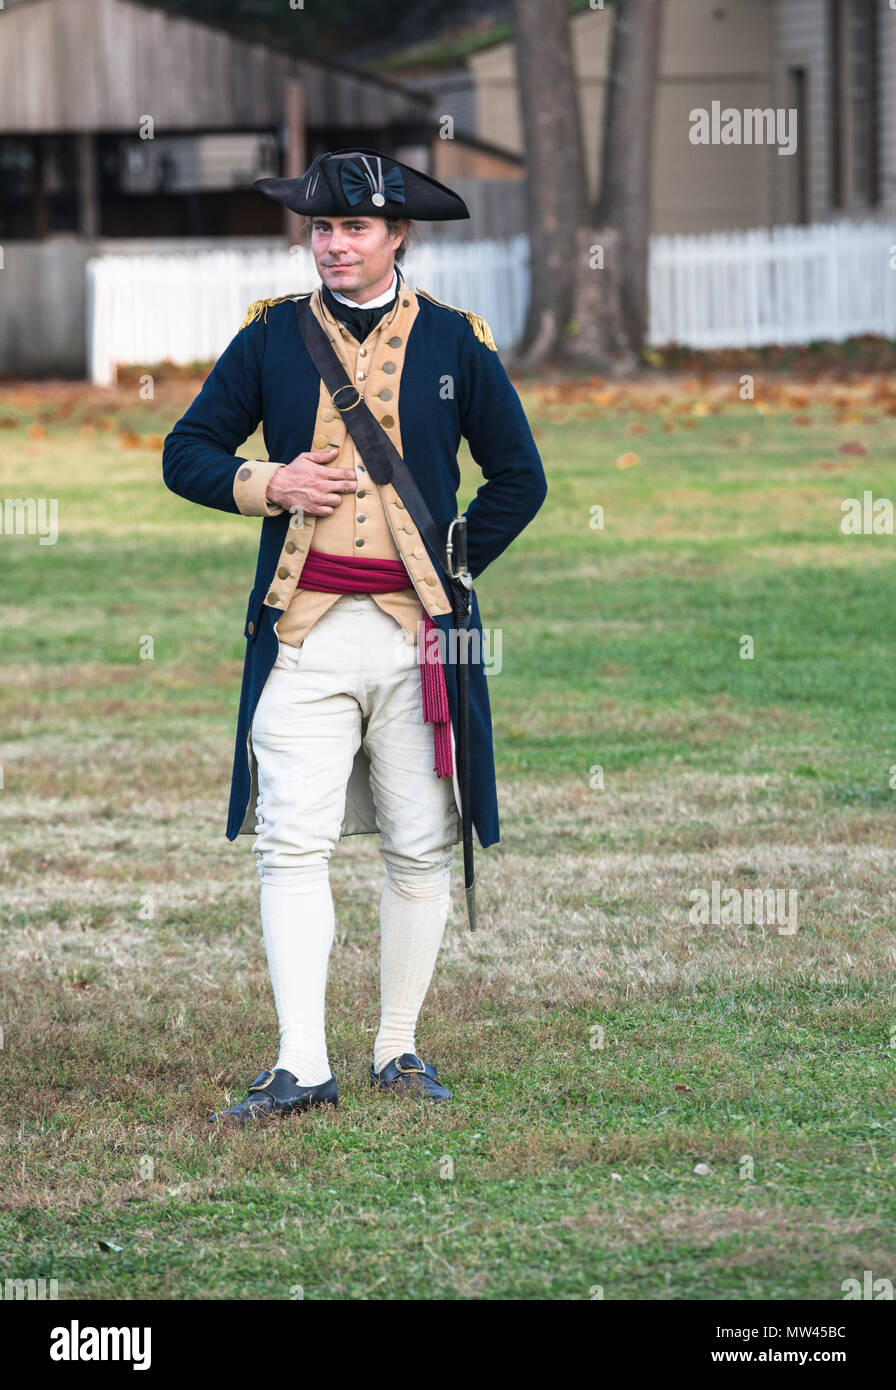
(355, 255)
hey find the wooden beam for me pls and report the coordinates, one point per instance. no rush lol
(295, 161)
(875, 68)
(41, 200)
(88, 185)
(835, 133)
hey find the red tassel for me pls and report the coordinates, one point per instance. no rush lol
(435, 702)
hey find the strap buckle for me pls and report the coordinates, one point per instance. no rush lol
(264, 1085)
(347, 387)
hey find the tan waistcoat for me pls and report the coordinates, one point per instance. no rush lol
(373, 522)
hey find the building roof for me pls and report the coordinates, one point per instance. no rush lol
(433, 36)
(89, 65)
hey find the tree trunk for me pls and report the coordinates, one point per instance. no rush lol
(627, 172)
(589, 306)
(555, 170)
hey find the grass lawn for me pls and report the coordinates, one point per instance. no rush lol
(645, 1107)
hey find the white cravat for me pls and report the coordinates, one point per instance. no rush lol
(371, 303)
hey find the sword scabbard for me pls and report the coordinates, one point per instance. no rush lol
(456, 555)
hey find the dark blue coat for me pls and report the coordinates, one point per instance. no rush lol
(265, 373)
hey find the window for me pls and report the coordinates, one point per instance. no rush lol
(38, 185)
(854, 103)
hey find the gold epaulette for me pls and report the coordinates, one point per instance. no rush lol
(476, 321)
(259, 309)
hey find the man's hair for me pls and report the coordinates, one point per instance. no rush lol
(411, 236)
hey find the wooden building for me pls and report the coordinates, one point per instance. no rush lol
(118, 119)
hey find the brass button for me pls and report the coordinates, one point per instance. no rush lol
(387, 421)
(320, 441)
(405, 303)
(362, 352)
(389, 368)
(360, 517)
(385, 394)
(244, 473)
(417, 554)
(290, 547)
(430, 579)
(359, 542)
(399, 503)
(360, 375)
(271, 598)
(395, 342)
(362, 492)
(409, 529)
(328, 415)
(283, 572)
(251, 627)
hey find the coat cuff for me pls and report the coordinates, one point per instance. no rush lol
(250, 485)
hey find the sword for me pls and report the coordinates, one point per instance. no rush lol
(456, 555)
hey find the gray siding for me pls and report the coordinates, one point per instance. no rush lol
(801, 40)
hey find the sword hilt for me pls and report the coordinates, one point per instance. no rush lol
(456, 551)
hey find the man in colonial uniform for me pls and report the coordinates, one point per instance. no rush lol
(348, 723)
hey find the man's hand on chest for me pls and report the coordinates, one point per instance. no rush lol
(310, 484)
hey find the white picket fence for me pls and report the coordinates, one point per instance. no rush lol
(781, 285)
(728, 289)
(185, 308)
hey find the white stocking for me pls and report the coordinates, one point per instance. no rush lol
(298, 923)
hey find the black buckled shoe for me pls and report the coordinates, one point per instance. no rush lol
(408, 1073)
(277, 1093)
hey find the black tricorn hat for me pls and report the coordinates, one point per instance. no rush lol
(366, 182)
